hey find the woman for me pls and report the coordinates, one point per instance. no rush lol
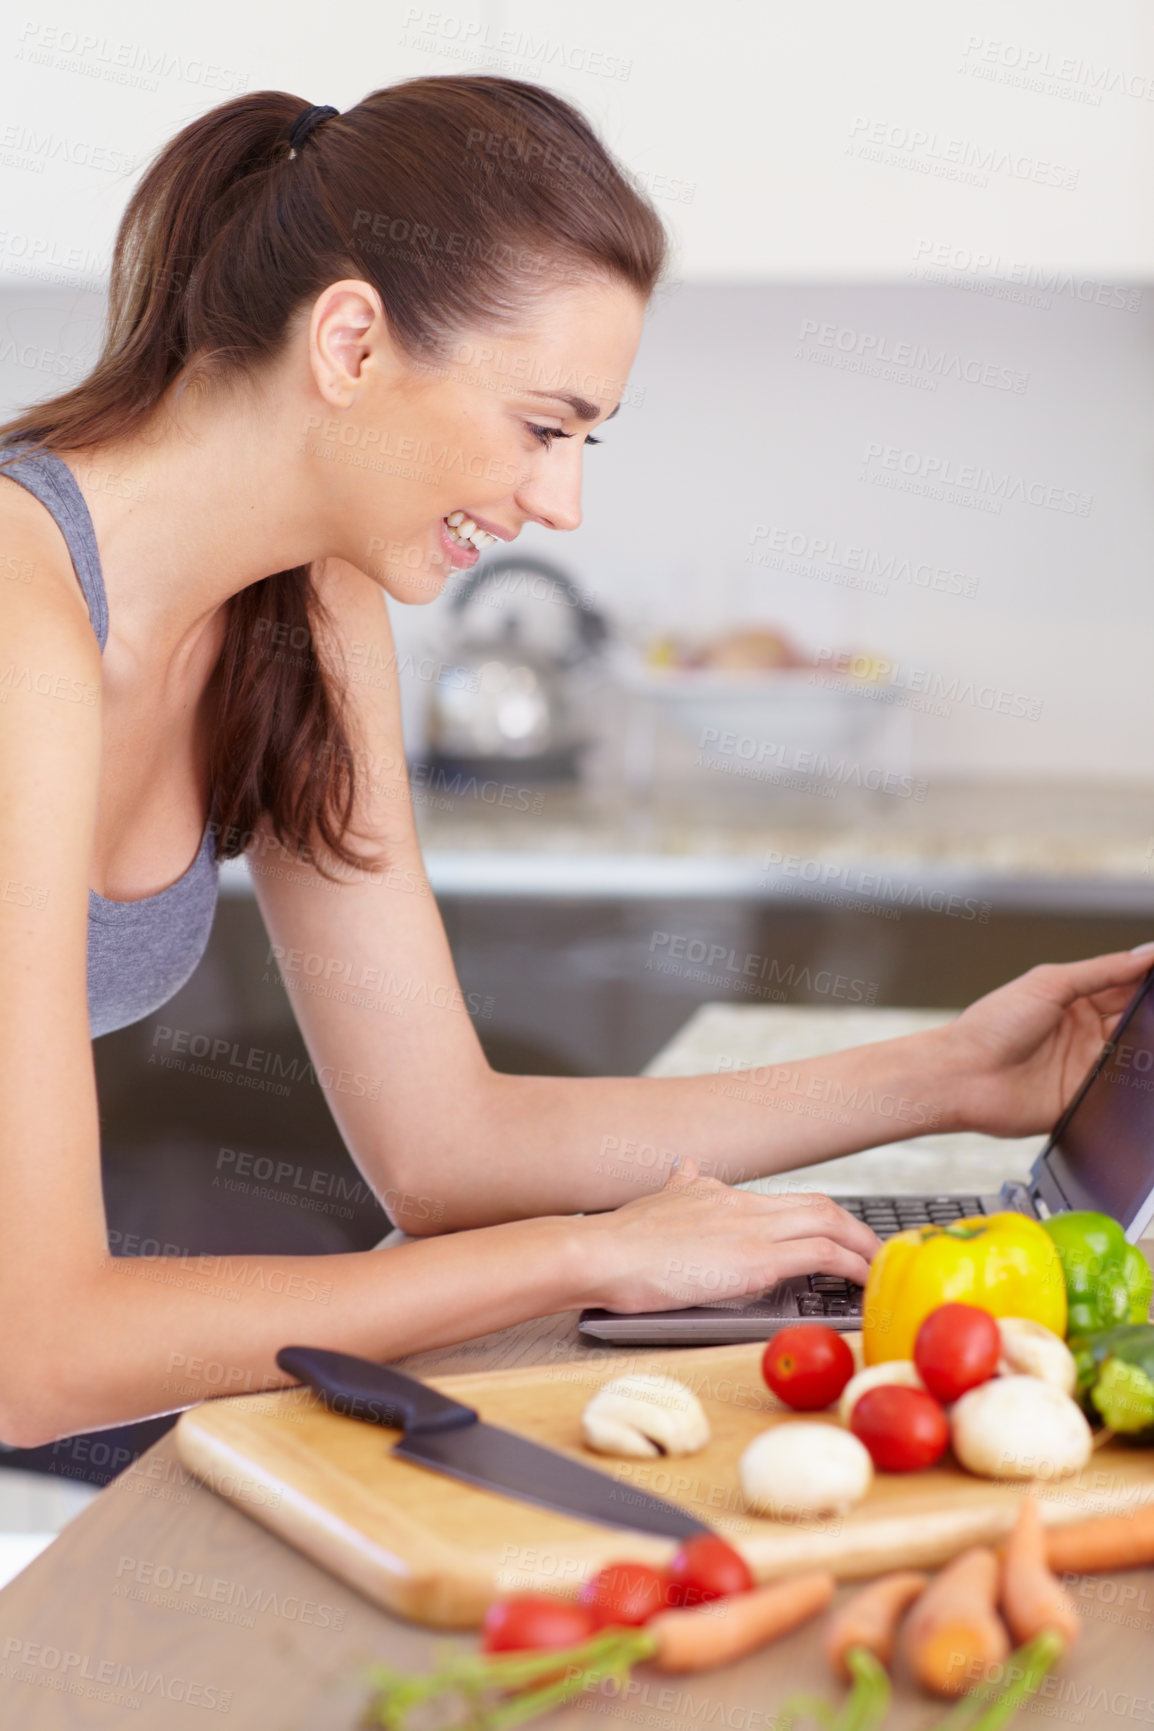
(330, 336)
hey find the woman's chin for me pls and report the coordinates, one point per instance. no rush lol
(411, 579)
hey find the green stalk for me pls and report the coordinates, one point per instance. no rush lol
(799, 1704)
(863, 1709)
(869, 1698)
(1036, 1659)
(613, 1663)
(475, 1678)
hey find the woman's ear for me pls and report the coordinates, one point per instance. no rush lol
(347, 324)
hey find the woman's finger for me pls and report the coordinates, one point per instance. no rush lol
(819, 1255)
(684, 1171)
(810, 1214)
(1065, 982)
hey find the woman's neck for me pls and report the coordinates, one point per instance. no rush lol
(189, 515)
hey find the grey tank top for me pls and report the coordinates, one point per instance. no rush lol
(139, 953)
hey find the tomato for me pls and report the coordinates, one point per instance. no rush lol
(707, 1568)
(533, 1620)
(956, 1348)
(807, 1367)
(904, 1429)
(625, 1594)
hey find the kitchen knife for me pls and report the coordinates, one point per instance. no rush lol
(450, 1438)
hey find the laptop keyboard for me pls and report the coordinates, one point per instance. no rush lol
(830, 1294)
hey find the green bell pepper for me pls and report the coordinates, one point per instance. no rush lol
(1108, 1281)
(1116, 1378)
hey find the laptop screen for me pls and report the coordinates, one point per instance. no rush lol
(1102, 1152)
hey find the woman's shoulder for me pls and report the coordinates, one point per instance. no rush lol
(50, 729)
(42, 605)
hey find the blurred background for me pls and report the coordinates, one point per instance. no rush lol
(842, 690)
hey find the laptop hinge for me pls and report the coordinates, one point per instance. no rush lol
(1040, 1196)
(1015, 1196)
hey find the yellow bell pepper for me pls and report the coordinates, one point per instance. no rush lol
(1004, 1263)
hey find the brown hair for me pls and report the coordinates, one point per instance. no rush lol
(458, 199)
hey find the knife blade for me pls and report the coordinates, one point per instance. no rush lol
(447, 1437)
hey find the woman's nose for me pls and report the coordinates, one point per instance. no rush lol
(553, 501)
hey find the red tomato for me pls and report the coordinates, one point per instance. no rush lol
(707, 1568)
(807, 1367)
(956, 1348)
(534, 1620)
(624, 1594)
(903, 1428)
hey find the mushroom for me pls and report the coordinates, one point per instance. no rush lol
(795, 1471)
(645, 1416)
(1034, 1350)
(900, 1370)
(1018, 1427)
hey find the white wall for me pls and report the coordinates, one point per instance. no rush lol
(741, 428)
(747, 123)
(786, 139)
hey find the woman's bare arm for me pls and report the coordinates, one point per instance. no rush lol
(445, 1140)
(90, 1340)
(448, 1143)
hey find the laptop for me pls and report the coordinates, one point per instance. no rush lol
(1100, 1155)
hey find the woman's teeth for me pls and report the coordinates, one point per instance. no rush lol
(465, 533)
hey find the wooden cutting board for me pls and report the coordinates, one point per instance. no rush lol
(437, 1550)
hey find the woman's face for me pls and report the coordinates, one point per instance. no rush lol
(494, 429)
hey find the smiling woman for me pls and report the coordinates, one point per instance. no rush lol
(344, 353)
(457, 204)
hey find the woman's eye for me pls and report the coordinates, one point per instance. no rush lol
(546, 435)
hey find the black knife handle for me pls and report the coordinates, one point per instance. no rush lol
(358, 1388)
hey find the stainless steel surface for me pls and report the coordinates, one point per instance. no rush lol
(502, 696)
(500, 1460)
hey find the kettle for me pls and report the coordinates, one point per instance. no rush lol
(505, 701)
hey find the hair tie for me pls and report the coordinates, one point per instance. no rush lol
(307, 122)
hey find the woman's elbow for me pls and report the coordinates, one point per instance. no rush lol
(418, 1216)
(31, 1413)
(55, 1375)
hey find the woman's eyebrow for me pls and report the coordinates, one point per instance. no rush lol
(581, 407)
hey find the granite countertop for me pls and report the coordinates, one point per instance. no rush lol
(1063, 846)
(1038, 841)
(727, 1036)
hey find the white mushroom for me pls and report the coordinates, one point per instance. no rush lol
(645, 1416)
(1018, 1427)
(903, 1371)
(796, 1471)
(1031, 1349)
(853, 1339)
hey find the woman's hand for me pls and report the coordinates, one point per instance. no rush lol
(1024, 1049)
(698, 1241)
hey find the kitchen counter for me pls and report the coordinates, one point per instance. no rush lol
(1060, 846)
(183, 1604)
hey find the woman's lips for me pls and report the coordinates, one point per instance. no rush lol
(461, 557)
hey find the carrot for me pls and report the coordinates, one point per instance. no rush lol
(507, 1689)
(1032, 1599)
(954, 1630)
(728, 1629)
(870, 1619)
(1106, 1542)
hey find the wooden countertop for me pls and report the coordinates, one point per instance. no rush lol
(165, 1607)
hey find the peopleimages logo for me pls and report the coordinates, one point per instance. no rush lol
(857, 564)
(919, 356)
(875, 676)
(988, 273)
(974, 478)
(951, 157)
